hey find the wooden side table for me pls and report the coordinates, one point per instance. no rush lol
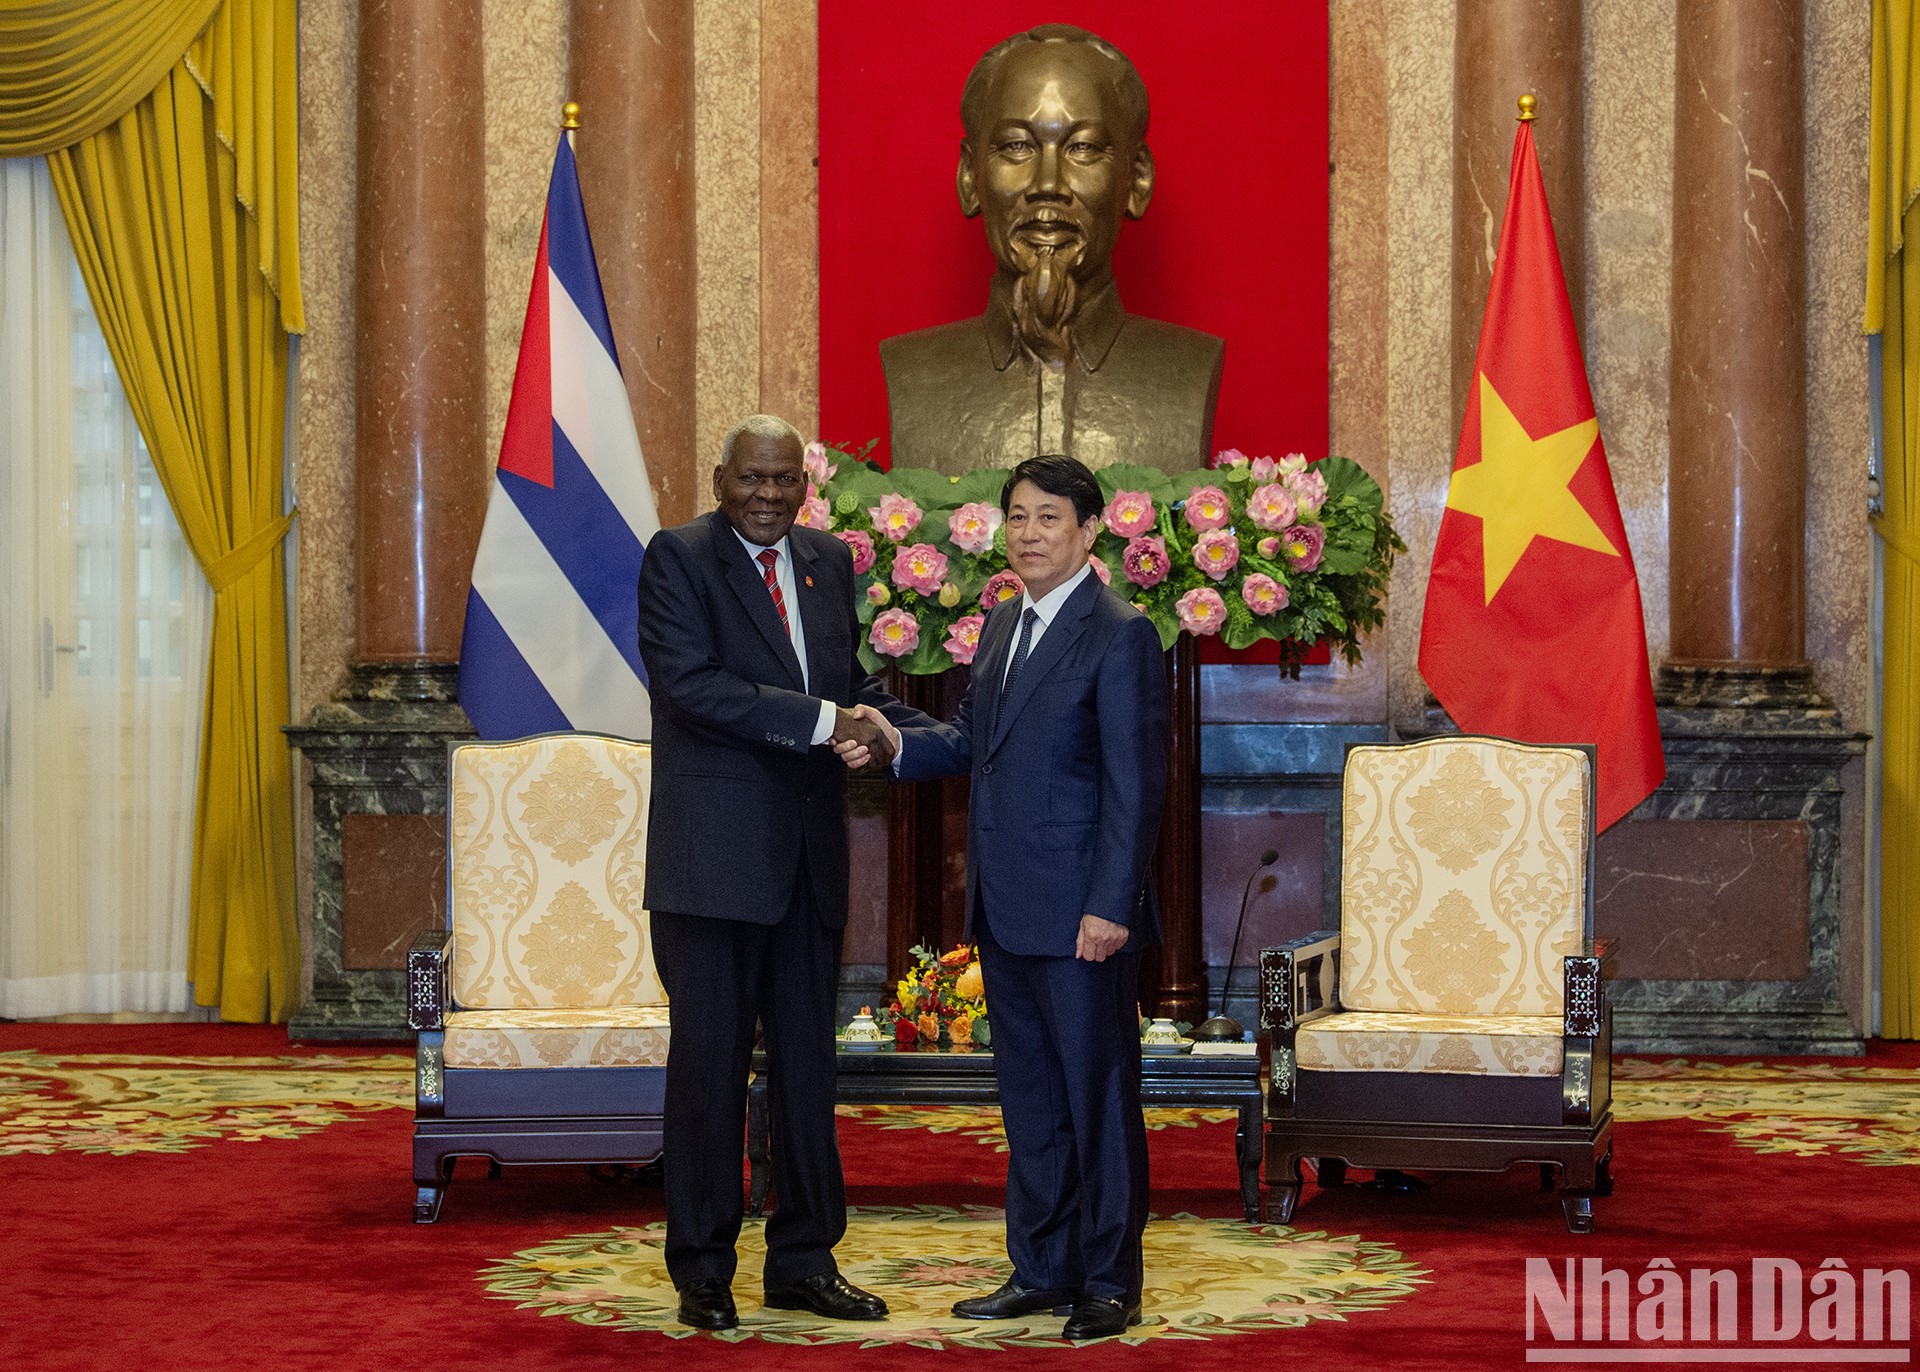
(887, 1077)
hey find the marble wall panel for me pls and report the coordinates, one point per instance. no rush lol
(1421, 429)
(323, 420)
(1628, 226)
(790, 212)
(526, 77)
(726, 136)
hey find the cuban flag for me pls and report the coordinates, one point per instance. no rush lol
(552, 636)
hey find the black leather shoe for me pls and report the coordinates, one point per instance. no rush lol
(828, 1294)
(707, 1304)
(1014, 1299)
(1096, 1318)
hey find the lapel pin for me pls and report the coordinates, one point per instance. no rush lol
(809, 583)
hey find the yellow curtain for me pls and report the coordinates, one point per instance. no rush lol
(1893, 311)
(183, 214)
(69, 68)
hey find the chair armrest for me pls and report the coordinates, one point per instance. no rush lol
(427, 979)
(1299, 981)
(1585, 998)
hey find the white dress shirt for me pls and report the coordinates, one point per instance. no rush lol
(783, 574)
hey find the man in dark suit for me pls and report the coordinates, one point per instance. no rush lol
(748, 634)
(1064, 733)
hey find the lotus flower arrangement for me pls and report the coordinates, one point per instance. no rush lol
(1250, 548)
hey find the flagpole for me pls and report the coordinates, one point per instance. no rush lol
(1527, 103)
(570, 115)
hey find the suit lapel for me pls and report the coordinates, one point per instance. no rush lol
(822, 649)
(1067, 626)
(743, 576)
(990, 663)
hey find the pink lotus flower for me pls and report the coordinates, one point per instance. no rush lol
(963, 638)
(1228, 457)
(920, 567)
(814, 513)
(1303, 545)
(1130, 513)
(1309, 492)
(895, 633)
(1263, 470)
(1145, 561)
(1001, 586)
(1216, 552)
(860, 543)
(1264, 595)
(1271, 507)
(1202, 611)
(878, 594)
(1292, 465)
(1269, 547)
(814, 459)
(895, 516)
(1100, 569)
(1207, 508)
(972, 525)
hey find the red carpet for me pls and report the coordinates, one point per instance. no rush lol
(269, 1227)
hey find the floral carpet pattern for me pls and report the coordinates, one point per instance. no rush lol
(982, 1122)
(1870, 1115)
(1221, 1277)
(120, 1104)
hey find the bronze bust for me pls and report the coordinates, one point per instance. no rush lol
(1053, 155)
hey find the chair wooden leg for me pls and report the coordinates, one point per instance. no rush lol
(1603, 1177)
(1579, 1210)
(430, 1190)
(1283, 1193)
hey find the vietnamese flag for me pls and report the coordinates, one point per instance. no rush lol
(1533, 628)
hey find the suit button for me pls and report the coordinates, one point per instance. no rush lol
(987, 770)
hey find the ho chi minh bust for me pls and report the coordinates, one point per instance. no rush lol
(1053, 155)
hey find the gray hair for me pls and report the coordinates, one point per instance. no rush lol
(760, 426)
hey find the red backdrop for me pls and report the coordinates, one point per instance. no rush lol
(1235, 241)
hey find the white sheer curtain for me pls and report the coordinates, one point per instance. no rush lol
(104, 629)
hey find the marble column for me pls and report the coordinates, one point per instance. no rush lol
(377, 749)
(632, 72)
(420, 463)
(1738, 425)
(1503, 49)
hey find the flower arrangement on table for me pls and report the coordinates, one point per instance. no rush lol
(941, 1003)
(1249, 549)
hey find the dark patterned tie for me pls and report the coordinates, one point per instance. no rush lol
(1027, 621)
(767, 558)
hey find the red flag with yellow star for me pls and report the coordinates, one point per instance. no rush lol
(1533, 627)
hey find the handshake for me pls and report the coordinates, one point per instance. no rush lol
(864, 740)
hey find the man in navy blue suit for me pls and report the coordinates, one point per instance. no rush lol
(748, 633)
(1064, 733)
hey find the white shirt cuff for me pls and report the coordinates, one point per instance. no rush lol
(823, 730)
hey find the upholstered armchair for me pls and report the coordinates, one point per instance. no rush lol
(542, 1024)
(1457, 1019)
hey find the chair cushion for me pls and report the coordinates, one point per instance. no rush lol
(548, 839)
(1463, 876)
(617, 1036)
(1375, 1041)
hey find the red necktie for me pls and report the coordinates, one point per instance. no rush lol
(767, 559)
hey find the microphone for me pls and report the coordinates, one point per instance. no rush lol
(1220, 1029)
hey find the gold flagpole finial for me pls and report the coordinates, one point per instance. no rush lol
(1527, 103)
(570, 115)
